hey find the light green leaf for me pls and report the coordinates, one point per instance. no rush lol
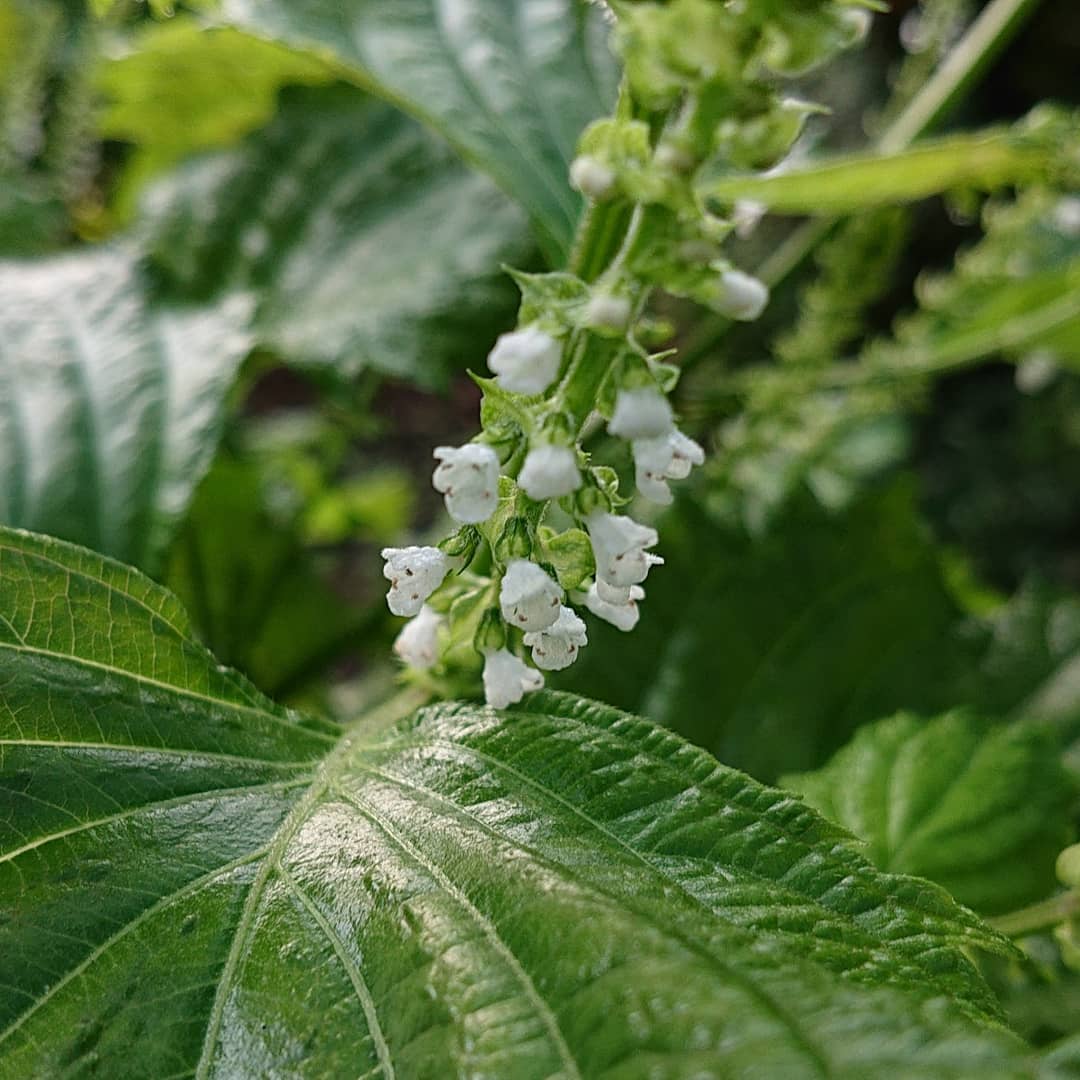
(110, 407)
(558, 889)
(510, 83)
(393, 267)
(1044, 145)
(179, 88)
(982, 813)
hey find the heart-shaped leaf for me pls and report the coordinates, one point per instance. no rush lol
(195, 882)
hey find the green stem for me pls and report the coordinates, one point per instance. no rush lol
(994, 28)
(1044, 915)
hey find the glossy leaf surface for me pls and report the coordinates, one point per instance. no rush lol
(395, 266)
(983, 814)
(110, 405)
(510, 83)
(559, 889)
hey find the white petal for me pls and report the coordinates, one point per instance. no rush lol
(418, 642)
(468, 477)
(414, 574)
(642, 413)
(622, 616)
(591, 177)
(549, 472)
(608, 312)
(525, 361)
(507, 679)
(558, 646)
(529, 599)
(741, 296)
(619, 545)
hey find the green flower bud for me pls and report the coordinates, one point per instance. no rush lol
(462, 545)
(515, 541)
(491, 633)
(1067, 867)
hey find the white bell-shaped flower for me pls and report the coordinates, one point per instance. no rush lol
(657, 461)
(742, 297)
(619, 545)
(468, 478)
(507, 679)
(557, 647)
(549, 472)
(529, 599)
(418, 642)
(591, 177)
(607, 312)
(414, 574)
(525, 361)
(624, 616)
(641, 413)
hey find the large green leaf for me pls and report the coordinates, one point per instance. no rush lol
(194, 881)
(110, 407)
(984, 814)
(511, 83)
(395, 266)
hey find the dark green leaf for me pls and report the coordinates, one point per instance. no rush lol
(984, 814)
(393, 267)
(510, 83)
(196, 882)
(110, 408)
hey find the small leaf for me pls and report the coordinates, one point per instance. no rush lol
(110, 407)
(510, 83)
(982, 814)
(558, 889)
(1027, 153)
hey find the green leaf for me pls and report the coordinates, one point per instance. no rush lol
(558, 889)
(1046, 143)
(393, 267)
(250, 584)
(770, 650)
(179, 88)
(110, 407)
(510, 83)
(982, 813)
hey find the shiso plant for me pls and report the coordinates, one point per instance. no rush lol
(705, 377)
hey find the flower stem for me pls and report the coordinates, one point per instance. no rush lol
(1044, 915)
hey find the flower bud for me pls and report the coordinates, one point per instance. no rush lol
(592, 178)
(468, 478)
(525, 361)
(491, 633)
(607, 312)
(418, 642)
(549, 472)
(741, 296)
(514, 542)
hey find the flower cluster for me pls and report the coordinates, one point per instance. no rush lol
(542, 531)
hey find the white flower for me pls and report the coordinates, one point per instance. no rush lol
(549, 472)
(745, 216)
(557, 647)
(619, 545)
(608, 312)
(657, 461)
(591, 177)
(529, 599)
(742, 297)
(414, 574)
(624, 616)
(418, 642)
(507, 679)
(525, 361)
(642, 413)
(468, 477)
